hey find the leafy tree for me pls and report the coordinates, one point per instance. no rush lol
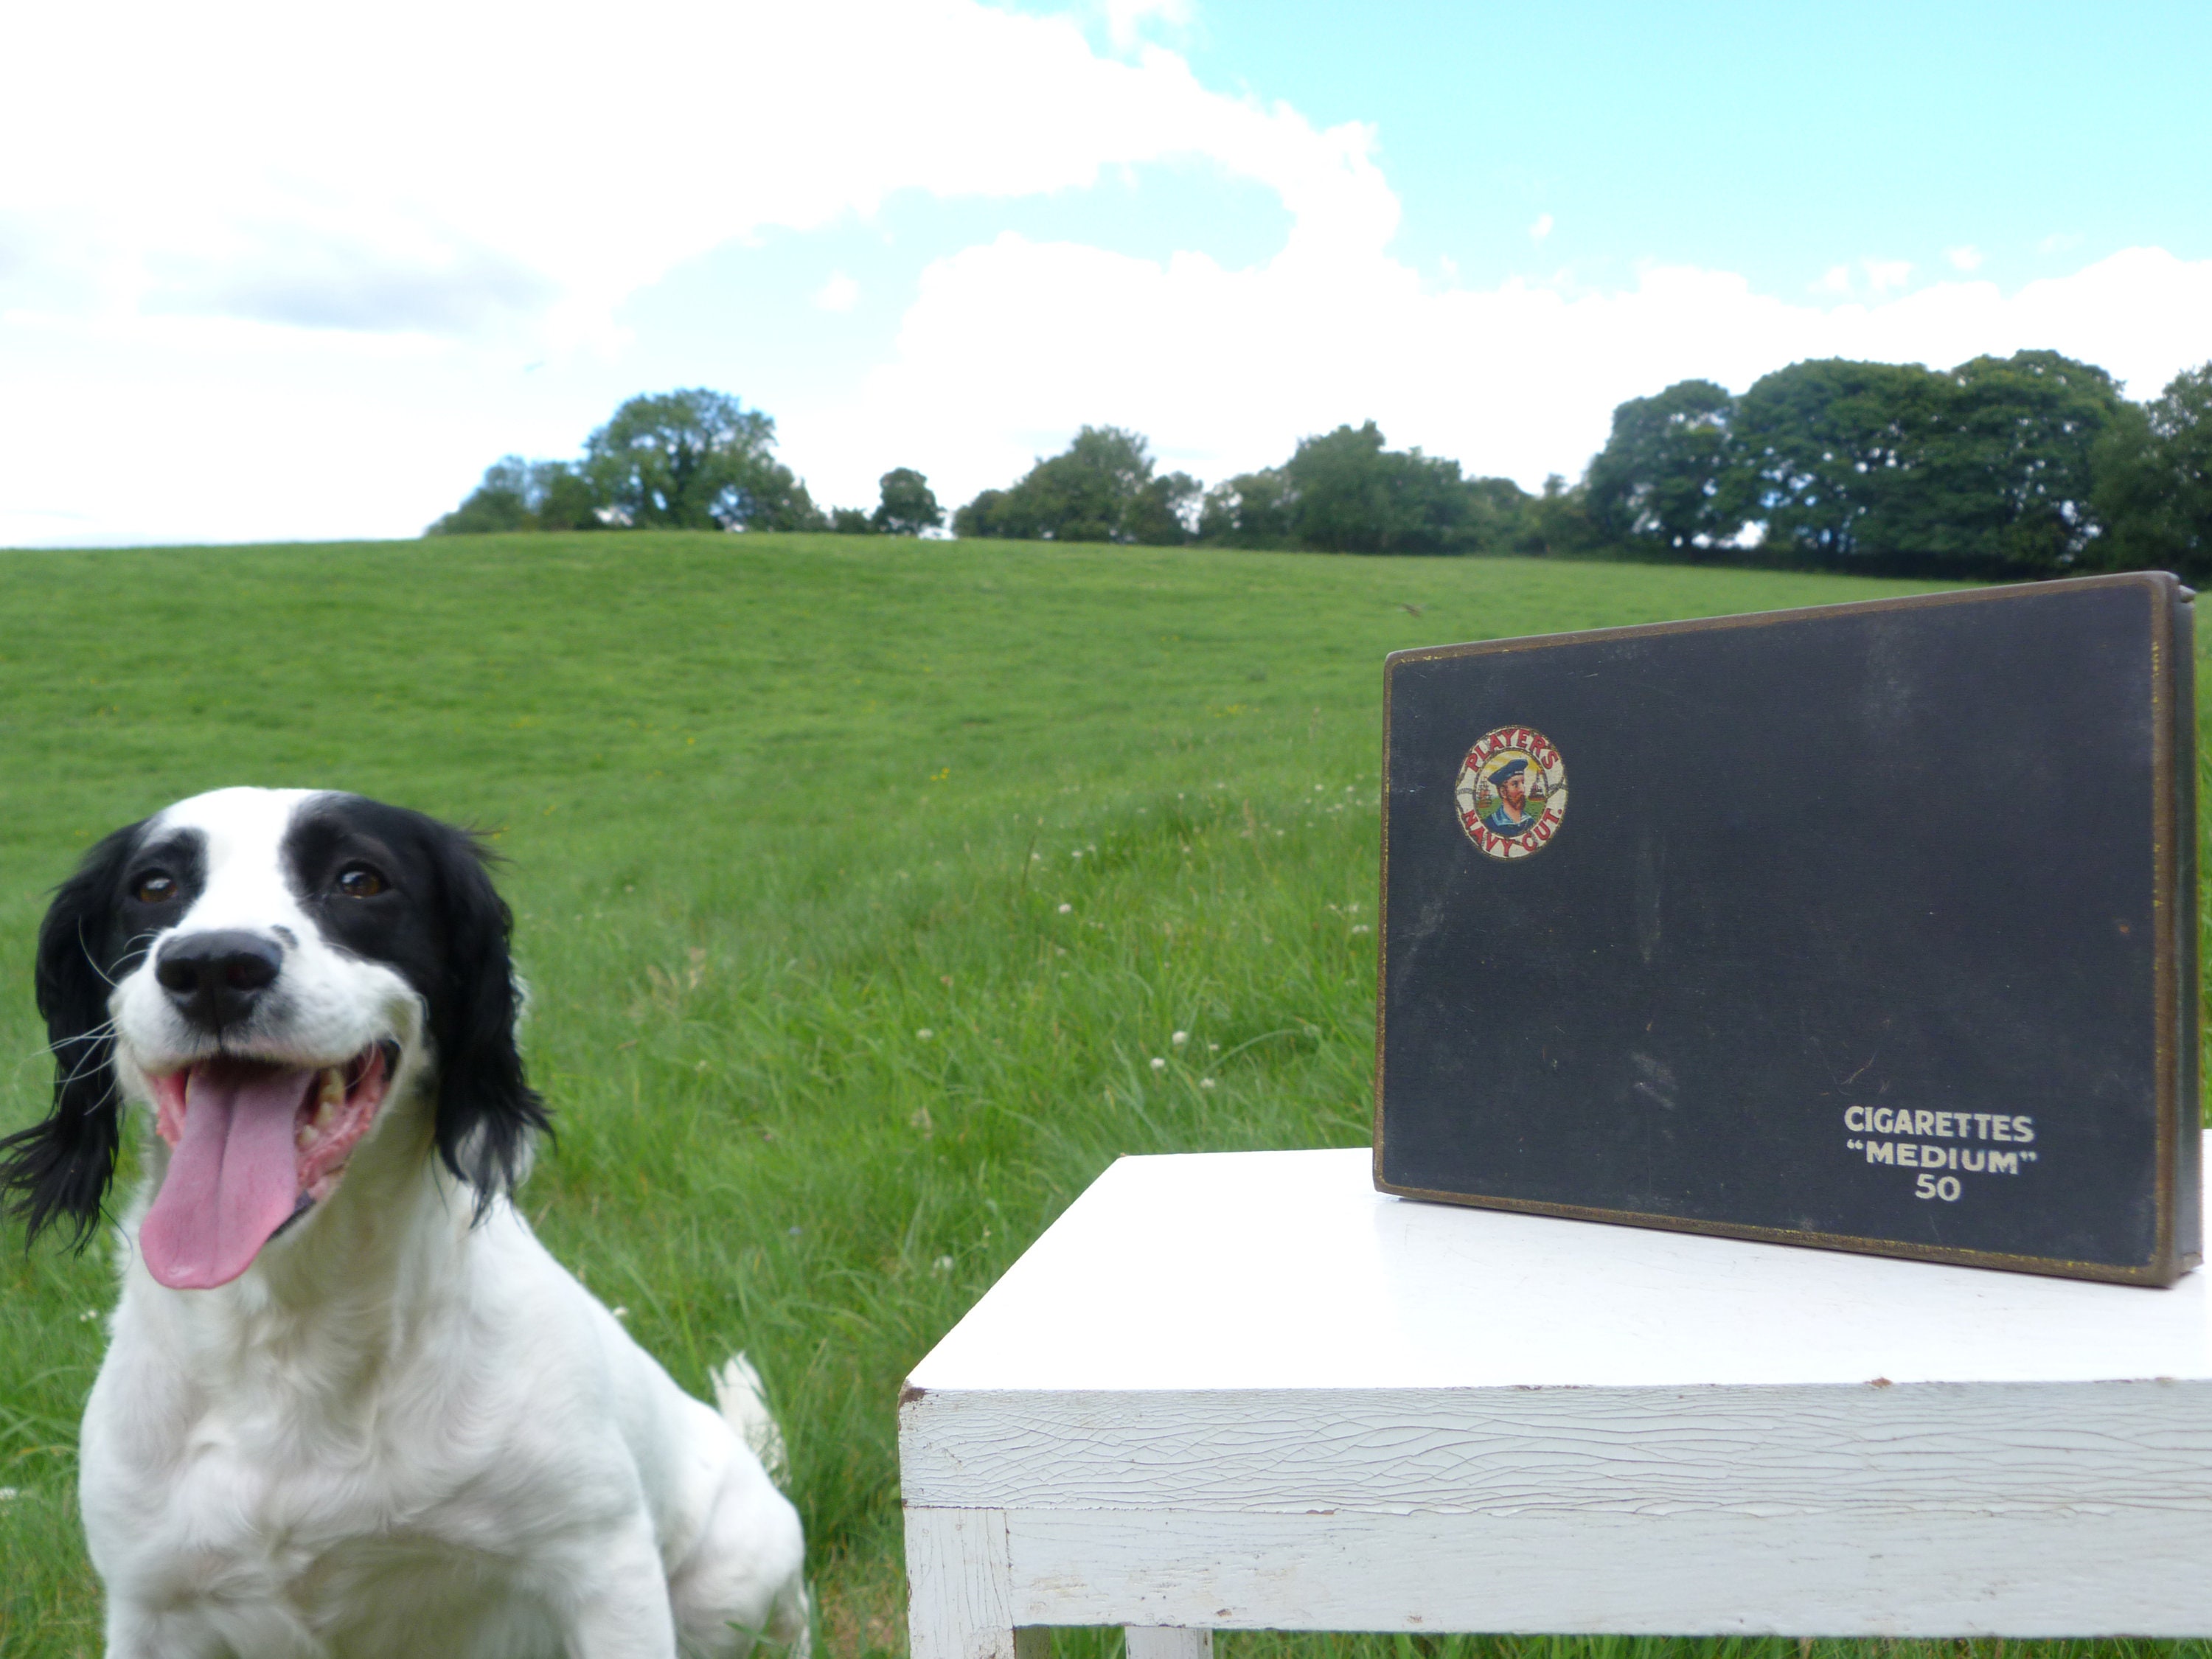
(494, 505)
(695, 460)
(1987, 468)
(908, 507)
(1164, 511)
(1659, 477)
(985, 516)
(2154, 481)
(1560, 521)
(563, 497)
(1100, 489)
(851, 521)
(2005, 478)
(1084, 493)
(1252, 509)
(1504, 518)
(1350, 494)
(1823, 452)
(1344, 492)
(519, 494)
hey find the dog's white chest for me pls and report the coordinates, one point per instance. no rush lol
(263, 1533)
(516, 1476)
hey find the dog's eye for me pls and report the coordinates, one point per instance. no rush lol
(154, 887)
(359, 881)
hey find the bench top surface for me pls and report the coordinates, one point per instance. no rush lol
(1287, 1270)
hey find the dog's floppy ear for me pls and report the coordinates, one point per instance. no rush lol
(60, 1169)
(487, 1113)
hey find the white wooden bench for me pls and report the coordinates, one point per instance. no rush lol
(1244, 1390)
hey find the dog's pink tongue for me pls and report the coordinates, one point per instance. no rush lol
(233, 1179)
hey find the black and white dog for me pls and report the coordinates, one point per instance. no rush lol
(351, 1406)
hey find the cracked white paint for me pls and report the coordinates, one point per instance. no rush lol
(1931, 1448)
(1858, 1575)
(960, 1605)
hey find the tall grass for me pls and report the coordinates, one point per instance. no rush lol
(858, 886)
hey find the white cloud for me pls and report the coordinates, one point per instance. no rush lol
(303, 254)
(1541, 228)
(1968, 258)
(1883, 275)
(1128, 19)
(220, 226)
(839, 293)
(459, 166)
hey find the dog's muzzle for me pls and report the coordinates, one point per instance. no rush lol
(253, 1146)
(214, 978)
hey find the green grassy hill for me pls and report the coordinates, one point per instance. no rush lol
(859, 885)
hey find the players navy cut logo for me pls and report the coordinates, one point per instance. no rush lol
(1512, 793)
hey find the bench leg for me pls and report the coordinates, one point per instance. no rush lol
(958, 1588)
(1168, 1642)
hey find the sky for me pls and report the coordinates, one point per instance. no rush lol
(273, 272)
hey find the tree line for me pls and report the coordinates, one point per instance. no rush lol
(2028, 466)
(691, 459)
(1343, 492)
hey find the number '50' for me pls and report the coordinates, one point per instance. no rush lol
(1944, 1187)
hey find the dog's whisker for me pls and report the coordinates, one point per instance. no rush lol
(93, 960)
(89, 1067)
(133, 952)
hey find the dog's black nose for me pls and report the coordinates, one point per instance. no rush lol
(214, 977)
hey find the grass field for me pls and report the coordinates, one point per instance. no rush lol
(859, 885)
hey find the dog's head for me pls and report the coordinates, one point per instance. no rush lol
(269, 971)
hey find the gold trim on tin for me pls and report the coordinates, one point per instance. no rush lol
(2182, 882)
(2164, 911)
(2176, 1021)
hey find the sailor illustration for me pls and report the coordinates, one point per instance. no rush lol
(1514, 814)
